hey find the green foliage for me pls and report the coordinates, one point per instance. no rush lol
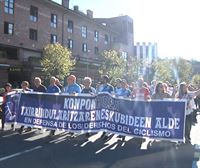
(113, 64)
(116, 66)
(162, 70)
(56, 61)
(132, 69)
(172, 70)
(196, 80)
(182, 70)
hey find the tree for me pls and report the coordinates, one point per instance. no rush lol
(181, 70)
(133, 68)
(196, 80)
(162, 71)
(113, 64)
(172, 70)
(56, 61)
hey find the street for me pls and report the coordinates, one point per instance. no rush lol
(34, 149)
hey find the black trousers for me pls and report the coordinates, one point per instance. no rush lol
(188, 126)
(3, 116)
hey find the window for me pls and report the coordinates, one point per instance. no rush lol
(125, 55)
(8, 28)
(33, 34)
(141, 52)
(84, 31)
(135, 50)
(147, 51)
(130, 27)
(33, 13)
(96, 50)
(9, 6)
(53, 20)
(53, 38)
(70, 26)
(70, 44)
(96, 35)
(9, 53)
(106, 39)
(84, 47)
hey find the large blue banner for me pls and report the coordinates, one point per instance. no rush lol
(153, 119)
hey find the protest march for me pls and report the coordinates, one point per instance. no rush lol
(134, 112)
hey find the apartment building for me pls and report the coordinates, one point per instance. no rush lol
(145, 52)
(27, 26)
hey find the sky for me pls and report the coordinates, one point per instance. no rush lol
(172, 24)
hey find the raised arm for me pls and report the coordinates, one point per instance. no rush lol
(196, 93)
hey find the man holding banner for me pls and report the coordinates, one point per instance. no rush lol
(105, 87)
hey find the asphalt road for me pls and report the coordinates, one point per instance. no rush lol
(36, 150)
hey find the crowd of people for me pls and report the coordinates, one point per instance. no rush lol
(138, 90)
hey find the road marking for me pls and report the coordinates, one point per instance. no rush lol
(19, 153)
(6, 136)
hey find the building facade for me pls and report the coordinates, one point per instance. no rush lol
(27, 26)
(145, 52)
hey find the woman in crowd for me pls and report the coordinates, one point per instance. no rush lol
(160, 92)
(185, 94)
